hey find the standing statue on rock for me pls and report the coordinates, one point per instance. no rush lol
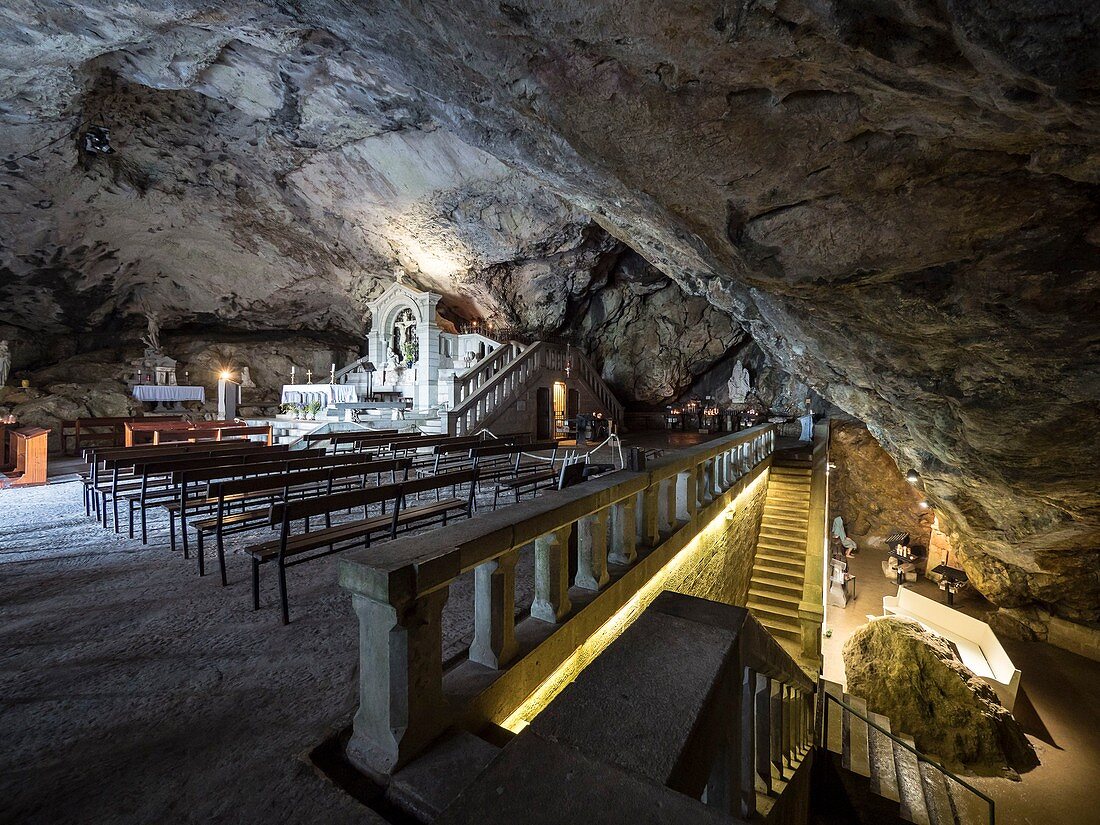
(5, 362)
(152, 334)
(739, 385)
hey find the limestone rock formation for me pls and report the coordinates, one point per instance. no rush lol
(869, 492)
(898, 204)
(915, 679)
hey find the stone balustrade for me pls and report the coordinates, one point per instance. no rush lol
(633, 522)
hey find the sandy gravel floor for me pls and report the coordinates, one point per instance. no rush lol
(134, 691)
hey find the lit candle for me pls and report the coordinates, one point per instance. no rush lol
(291, 373)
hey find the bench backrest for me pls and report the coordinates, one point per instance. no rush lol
(211, 433)
(267, 482)
(93, 454)
(168, 463)
(137, 457)
(151, 468)
(234, 467)
(416, 486)
(295, 510)
(311, 437)
(510, 449)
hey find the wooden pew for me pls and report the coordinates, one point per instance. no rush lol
(509, 477)
(300, 547)
(250, 493)
(107, 431)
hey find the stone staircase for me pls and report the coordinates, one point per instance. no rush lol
(779, 568)
(908, 789)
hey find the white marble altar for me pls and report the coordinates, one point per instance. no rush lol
(327, 394)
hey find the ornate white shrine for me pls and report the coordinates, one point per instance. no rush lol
(416, 353)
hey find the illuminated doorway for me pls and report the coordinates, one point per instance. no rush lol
(560, 397)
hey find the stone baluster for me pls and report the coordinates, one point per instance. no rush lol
(786, 697)
(624, 535)
(763, 737)
(551, 601)
(401, 704)
(745, 726)
(775, 701)
(687, 494)
(592, 551)
(650, 515)
(494, 643)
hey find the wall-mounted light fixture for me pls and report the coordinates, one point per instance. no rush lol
(912, 476)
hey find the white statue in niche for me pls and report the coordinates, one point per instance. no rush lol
(246, 379)
(151, 338)
(5, 362)
(739, 385)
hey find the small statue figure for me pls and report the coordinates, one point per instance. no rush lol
(739, 385)
(246, 379)
(5, 362)
(152, 334)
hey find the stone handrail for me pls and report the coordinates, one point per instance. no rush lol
(811, 607)
(482, 371)
(499, 383)
(399, 590)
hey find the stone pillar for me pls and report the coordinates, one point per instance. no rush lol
(687, 494)
(651, 514)
(746, 720)
(775, 700)
(624, 536)
(763, 736)
(551, 602)
(427, 365)
(592, 551)
(401, 704)
(494, 642)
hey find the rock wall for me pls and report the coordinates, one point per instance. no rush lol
(869, 491)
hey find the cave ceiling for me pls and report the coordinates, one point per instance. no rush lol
(896, 200)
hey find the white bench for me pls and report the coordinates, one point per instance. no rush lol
(978, 646)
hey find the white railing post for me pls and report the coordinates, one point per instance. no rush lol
(551, 602)
(592, 551)
(494, 643)
(624, 532)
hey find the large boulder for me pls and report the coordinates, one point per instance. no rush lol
(915, 679)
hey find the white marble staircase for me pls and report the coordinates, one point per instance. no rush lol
(779, 567)
(923, 793)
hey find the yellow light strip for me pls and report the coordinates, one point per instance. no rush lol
(610, 630)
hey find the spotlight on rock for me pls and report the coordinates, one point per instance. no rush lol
(97, 141)
(912, 476)
(923, 505)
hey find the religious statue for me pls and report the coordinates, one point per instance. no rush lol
(740, 384)
(5, 362)
(152, 334)
(246, 379)
(403, 342)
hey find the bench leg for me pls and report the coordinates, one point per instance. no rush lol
(202, 556)
(130, 504)
(172, 531)
(221, 557)
(144, 526)
(282, 593)
(183, 537)
(255, 584)
(114, 509)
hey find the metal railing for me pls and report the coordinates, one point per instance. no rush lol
(939, 766)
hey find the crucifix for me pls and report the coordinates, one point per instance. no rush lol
(309, 376)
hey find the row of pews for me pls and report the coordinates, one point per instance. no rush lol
(296, 506)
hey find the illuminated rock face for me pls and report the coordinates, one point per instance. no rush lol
(900, 207)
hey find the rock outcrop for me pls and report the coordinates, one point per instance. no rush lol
(898, 204)
(915, 679)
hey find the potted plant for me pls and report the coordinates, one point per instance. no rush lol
(411, 351)
(313, 408)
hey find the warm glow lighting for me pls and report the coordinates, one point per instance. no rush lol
(225, 375)
(912, 476)
(610, 630)
(923, 505)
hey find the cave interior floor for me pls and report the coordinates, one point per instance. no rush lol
(1057, 705)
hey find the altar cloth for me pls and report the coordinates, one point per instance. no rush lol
(169, 392)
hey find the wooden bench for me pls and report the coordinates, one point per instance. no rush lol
(300, 547)
(109, 431)
(118, 462)
(155, 476)
(507, 473)
(311, 438)
(255, 495)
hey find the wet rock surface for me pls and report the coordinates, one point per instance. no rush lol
(914, 678)
(899, 206)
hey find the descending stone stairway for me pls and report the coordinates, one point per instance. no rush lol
(779, 568)
(923, 794)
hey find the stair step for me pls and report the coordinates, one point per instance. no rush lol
(884, 773)
(783, 631)
(970, 809)
(800, 485)
(785, 516)
(781, 614)
(765, 583)
(777, 573)
(776, 559)
(857, 750)
(767, 600)
(797, 549)
(788, 533)
(940, 811)
(910, 785)
(834, 734)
